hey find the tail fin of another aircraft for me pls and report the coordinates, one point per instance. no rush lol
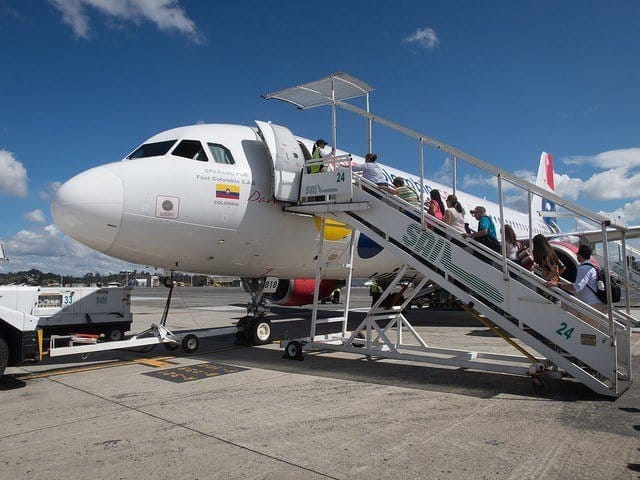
(546, 181)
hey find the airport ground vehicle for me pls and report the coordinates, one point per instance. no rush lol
(28, 314)
(55, 310)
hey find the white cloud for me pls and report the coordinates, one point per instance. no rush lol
(479, 180)
(623, 158)
(426, 38)
(619, 178)
(482, 180)
(49, 250)
(630, 211)
(73, 15)
(567, 187)
(444, 174)
(527, 175)
(613, 184)
(35, 216)
(50, 191)
(167, 15)
(13, 179)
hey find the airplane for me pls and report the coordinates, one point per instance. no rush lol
(200, 198)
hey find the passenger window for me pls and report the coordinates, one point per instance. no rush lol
(220, 154)
(191, 149)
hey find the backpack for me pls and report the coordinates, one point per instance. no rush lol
(601, 293)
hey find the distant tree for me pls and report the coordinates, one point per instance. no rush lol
(34, 277)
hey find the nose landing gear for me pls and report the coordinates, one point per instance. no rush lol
(254, 328)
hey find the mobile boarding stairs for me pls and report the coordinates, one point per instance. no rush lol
(569, 337)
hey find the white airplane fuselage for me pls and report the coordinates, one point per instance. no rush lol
(212, 217)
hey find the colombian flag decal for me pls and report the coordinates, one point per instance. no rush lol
(227, 190)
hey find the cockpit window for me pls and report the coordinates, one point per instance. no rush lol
(221, 154)
(191, 149)
(152, 149)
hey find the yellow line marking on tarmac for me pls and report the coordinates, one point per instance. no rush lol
(68, 370)
(156, 362)
(152, 362)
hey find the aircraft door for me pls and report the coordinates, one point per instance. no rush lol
(287, 160)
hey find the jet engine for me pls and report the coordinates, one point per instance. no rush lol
(299, 291)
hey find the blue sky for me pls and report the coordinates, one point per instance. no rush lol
(85, 81)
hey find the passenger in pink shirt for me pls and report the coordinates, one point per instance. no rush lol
(436, 207)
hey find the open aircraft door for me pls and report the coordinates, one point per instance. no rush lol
(287, 159)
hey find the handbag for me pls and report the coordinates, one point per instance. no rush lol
(525, 259)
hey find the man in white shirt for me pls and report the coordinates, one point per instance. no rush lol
(371, 170)
(586, 285)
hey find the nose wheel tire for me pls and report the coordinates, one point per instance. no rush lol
(171, 346)
(260, 333)
(190, 343)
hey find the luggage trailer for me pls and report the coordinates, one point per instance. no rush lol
(27, 314)
(189, 340)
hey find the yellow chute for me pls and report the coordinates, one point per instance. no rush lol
(333, 231)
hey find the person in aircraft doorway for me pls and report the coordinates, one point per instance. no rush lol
(317, 151)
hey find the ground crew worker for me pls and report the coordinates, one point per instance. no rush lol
(317, 148)
(318, 153)
(335, 296)
(375, 291)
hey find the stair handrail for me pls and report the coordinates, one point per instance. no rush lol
(621, 321)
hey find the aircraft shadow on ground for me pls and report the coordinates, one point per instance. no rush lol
(393, 373)
(358, 369)
(388, 372)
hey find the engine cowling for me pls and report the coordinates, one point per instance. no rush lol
(299, 291)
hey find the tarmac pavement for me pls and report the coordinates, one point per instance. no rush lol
(236, 412)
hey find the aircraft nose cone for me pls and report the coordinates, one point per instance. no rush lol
(88, 207)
